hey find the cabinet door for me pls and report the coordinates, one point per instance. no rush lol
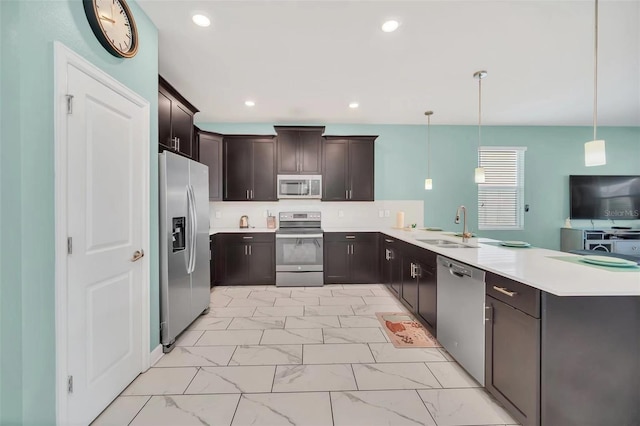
(164, 121)
(512, 359)
(263, 171)
(364, 262)
(427, 295)
(336, 262)
(361, 170)
(409, 284)
(396, 272)
(237, 169)
(309, 148)
(210, 148)
(262, 263)
(335, 170)
(212, 263)
(182, 128)
(235, 262)
(387, 270)
(288, 153)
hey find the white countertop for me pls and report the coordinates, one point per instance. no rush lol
(248, 230)
(531, 266)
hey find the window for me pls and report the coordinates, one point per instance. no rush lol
(501, 197)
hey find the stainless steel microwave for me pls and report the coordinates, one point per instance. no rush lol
(299, 186)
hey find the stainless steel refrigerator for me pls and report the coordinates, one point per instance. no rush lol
(184, 244)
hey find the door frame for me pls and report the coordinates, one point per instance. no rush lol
(63, 57)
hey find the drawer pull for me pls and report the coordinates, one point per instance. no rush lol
(503, 290)
(247, 238)
(388, 241)
(350, 237)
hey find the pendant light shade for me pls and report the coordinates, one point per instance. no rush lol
(479, 172)
(594, 151)
(428, 182)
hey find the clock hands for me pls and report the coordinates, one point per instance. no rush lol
(107, 19)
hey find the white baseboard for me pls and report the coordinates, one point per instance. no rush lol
(155, 355)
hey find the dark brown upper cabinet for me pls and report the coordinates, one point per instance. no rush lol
(210, 154)
(175, 121)
(249, 168)
(299, 150)
(348, 168)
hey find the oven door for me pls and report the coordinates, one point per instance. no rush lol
(299, 252)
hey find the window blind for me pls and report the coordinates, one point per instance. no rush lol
(501, 196)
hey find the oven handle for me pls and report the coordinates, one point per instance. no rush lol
(298, 235)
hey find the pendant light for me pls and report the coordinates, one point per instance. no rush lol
(594, 151)
(479, 173)
(428, 182)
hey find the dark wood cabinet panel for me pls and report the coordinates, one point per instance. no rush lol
(299, 149)
(348, 168)
(512, 359)
(351, 258)
(264, 170)
(164, 121)
(409, 292)
(262, 263)
(361, 170)
(249, 168)
(210, 154)
(336, 262)
(335, 170)
(248, 259)
(175, 121)
(212, 261)
(427, 296)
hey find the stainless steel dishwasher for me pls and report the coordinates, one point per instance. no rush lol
(460, 296)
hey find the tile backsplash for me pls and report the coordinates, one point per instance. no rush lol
(350, 214)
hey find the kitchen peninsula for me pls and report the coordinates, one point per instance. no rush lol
(562, 339)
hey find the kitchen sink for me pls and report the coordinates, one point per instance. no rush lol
(445, 243)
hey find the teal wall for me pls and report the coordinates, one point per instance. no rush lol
(27, 315)
(553, 153)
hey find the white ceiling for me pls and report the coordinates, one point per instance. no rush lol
(304, 61)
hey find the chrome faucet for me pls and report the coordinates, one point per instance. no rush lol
(465, 233)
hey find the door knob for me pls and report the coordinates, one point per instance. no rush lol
(137, 255)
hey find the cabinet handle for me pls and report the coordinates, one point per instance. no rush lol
(249, 250)
(503, 290)
(413, 270)
(245, 250)
(350, 237)
(388, 241)
(247, 238)
(351, 194)
(251, 191)
(488, 313)
(178, 140)
(387, 254)
(348, 252)
(247, 196)
(352, 249)
(346, 194)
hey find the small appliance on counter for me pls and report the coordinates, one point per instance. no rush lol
(244, 221)
(271, 221)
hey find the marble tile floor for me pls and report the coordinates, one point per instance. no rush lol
(266, 356)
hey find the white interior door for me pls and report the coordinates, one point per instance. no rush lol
(105, 218)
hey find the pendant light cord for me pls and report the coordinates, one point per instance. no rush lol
(479, 116)
(595, 76)
(429, 146)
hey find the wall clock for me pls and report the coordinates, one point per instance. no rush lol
(113, 25)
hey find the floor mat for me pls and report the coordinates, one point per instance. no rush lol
(405, 332)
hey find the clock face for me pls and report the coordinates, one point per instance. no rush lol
(113, 25)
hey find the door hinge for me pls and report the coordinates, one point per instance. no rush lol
(70, 384)
(69, 104)
(69, 245)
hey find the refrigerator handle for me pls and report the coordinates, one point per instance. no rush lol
(195, 229)
(192, 229)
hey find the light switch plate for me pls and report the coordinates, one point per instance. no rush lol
(340, 213)
(218, 215)
(380, 213)
(386, 213)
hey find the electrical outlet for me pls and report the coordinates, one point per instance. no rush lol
(380, 213)
(386, 213)
(218, 215)
(340, 213)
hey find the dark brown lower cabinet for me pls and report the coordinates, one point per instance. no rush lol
(409, 292)
(427, 295)
(247, 259)
(512, 360)
(391, 265)
(351, 258)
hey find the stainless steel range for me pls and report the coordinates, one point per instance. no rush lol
(299, 250)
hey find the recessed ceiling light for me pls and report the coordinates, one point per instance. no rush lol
(354, 105)
(249, 103)
(201, 20)
(390, 26)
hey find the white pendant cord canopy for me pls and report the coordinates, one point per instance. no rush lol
(428, 182)
(479, 176)
(594, 151)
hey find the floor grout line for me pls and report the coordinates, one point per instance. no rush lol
(141, 408)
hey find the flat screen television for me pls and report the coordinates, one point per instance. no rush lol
(604, 197)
